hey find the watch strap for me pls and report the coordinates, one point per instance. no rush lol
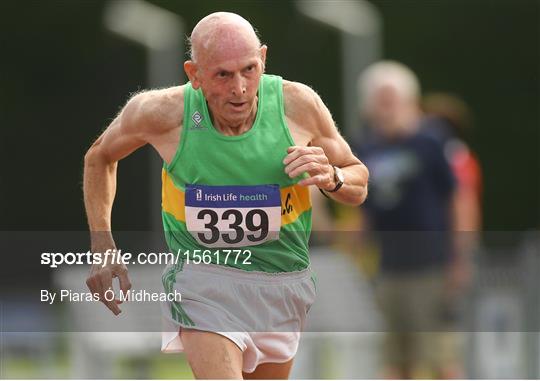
(339, 182)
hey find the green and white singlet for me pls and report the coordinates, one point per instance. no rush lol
(222, 193)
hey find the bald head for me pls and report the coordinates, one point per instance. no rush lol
(222, 32)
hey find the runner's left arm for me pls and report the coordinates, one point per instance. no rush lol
(326, 148)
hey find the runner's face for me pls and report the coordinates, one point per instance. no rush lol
(230, 82)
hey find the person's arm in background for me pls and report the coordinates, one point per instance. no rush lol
(466, 215)
(461, 218)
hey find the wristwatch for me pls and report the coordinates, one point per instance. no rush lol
(339, 179)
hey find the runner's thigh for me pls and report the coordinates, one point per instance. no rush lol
(211, 355)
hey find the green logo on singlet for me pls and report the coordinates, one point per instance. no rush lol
(197, 118)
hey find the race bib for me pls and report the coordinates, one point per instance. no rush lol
(233, 216)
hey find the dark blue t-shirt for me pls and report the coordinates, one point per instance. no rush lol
(408, 205)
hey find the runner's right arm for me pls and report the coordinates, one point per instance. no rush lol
(124, 135)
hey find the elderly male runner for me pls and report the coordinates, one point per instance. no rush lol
(240, 149)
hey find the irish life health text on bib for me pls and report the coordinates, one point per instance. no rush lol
(233, 215)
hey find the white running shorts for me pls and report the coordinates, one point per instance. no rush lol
(262, 313)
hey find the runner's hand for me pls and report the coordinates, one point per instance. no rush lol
(100, 280)
(314, 162)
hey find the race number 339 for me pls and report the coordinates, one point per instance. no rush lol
(233, 215)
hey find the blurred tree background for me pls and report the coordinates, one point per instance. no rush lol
(64, 77)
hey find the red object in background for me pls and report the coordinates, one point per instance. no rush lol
(466, 168)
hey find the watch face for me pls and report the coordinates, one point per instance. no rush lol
(339, 175)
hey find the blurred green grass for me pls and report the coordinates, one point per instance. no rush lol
(159, 366)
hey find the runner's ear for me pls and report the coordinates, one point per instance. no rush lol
(190, 68)
(263, 49)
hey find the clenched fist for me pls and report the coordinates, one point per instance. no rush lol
(314, 162)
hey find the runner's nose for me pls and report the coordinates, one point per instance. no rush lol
(239, 86)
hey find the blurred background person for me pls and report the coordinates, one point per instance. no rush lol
(409, 210)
